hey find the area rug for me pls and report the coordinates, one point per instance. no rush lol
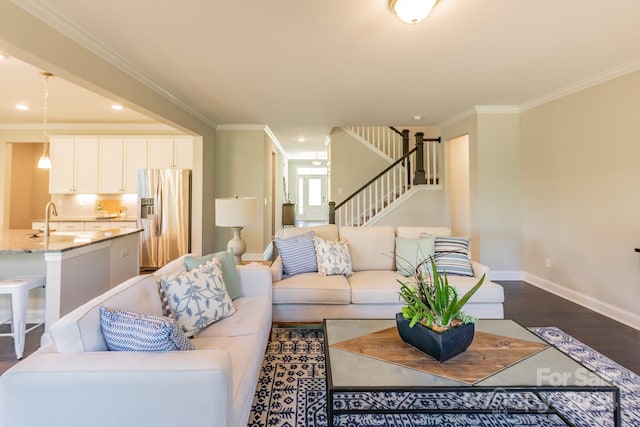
(291, 391)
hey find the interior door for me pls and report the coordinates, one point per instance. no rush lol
(312, 198)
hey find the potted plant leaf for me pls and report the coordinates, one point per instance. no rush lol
(432, 319)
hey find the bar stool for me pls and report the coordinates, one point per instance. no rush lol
(18, 288)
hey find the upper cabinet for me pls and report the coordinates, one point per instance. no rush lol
(174, 153)
(74, 167)
(120, 159)
(109, 164)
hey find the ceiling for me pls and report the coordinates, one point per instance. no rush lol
(302, 67)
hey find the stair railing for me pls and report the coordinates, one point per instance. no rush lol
(388, 185)
(386, 139)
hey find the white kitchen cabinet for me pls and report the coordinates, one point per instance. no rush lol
(39, 226)
(97, 225)
(168, 152)
(124, 224)
(70, 226)
(74, 166)
(120, 159)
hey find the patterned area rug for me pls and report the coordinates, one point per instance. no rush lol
(292, 392)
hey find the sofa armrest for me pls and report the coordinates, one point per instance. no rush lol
(119, 388)
(480, 269)
(276, 269)
(255, 280)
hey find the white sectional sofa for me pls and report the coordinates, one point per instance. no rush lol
(75, 381)
(372, 290)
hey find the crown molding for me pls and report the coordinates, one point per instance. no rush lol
(242, 127)
(147, 127)
(45, 13)
(596, 79)
(458, 117)
(497, 109)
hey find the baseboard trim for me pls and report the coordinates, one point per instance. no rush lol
(608, 310)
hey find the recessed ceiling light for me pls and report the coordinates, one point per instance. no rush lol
(23, 107)
(301, 139)
(117, 107)
(417, 117)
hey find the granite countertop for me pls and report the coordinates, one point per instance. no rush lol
(29, 241)
(87, 219)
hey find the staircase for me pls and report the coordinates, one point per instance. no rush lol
(408, 168)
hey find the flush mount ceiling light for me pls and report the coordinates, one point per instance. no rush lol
(412, 11)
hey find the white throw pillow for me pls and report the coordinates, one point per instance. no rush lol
(334, 257)
(199, 297)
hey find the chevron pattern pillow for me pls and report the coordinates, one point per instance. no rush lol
(199, 297)
(130, 331)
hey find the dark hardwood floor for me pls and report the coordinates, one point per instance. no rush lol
(532, 306)
(527, 304)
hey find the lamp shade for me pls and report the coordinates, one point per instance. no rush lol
(236, 211)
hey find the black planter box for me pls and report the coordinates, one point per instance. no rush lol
(440, 346)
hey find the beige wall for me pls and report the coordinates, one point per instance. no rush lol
(494, 187)
(421, 208)
(244, 168)
(345, 178)
(580, 203)
(29, 191)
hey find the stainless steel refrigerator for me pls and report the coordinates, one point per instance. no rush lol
(164, 211)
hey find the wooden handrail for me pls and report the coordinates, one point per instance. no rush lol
(387, 169)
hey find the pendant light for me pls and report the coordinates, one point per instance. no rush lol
(45, 161)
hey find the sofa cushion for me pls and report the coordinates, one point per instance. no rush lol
(250, 318)
(229, 271)
(372, 248)
(333, 257)
(452, 256)
(327, 231)
(375, 287)
(418, 232)
(79, 330)
(298, 254)
(198, 297)
(311, 288)
(411, 252)
(131, 331)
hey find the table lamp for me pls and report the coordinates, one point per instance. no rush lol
(236, 212)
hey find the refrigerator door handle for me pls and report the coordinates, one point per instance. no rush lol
(158, 209)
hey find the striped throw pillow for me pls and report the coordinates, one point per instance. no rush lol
(130, 331)
(298, 254)
(452, 256)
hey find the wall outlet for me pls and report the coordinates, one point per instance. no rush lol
(547, 262)
(124, 253)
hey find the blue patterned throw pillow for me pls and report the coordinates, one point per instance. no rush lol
(130, 331)
(298, 254)
(452, 256)
(198, 298)
(334, 257)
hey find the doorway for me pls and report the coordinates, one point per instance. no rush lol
(311, 194)
(459, 192)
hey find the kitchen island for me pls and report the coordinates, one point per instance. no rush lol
(78, 265)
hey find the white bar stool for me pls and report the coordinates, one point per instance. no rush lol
(18, 288)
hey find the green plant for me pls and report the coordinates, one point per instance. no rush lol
(432, 302)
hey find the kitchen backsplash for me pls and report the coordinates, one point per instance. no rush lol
(88, 205)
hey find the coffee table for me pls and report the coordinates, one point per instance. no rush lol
(363, 359)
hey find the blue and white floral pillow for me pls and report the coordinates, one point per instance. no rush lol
(334, 257)
(199, 297)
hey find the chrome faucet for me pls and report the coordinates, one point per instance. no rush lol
(49, 210)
